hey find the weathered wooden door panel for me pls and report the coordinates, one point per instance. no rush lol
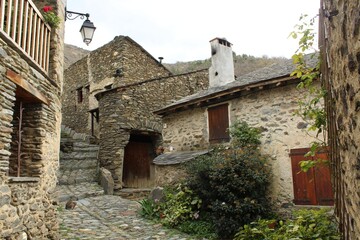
(324, 192)
(314, 186)
(304, 184)
(137, 158)
(218, 118)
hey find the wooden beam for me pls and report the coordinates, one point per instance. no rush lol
(27, 87)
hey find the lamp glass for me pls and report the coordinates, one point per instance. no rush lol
(87, 31)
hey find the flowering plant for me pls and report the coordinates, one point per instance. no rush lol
(50, 17)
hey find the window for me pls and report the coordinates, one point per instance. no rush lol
(108, 87)
(314, 186)
(218, 118)
(79, 93)
(87, 89)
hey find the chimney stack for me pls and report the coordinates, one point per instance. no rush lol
(221, 71)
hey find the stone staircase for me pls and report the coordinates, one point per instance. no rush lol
(78, 174)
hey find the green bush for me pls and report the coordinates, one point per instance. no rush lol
(233, 182)
(307, 225)
(202, 229)
(229, 184)
(179, 205)
(150, 209)
(244, 136)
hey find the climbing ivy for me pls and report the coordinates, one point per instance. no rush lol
(311, 108)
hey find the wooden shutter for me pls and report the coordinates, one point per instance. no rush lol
(324, 192)
(218, 118)
(314, 186)
(304, 184)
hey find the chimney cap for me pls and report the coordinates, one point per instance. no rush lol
(220, 40)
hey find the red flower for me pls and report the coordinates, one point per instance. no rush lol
(47, 8)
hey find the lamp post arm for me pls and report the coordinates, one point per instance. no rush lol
(69, 15)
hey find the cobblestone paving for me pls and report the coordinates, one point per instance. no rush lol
(108, 217)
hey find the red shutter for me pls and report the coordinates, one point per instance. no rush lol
(314, 186)
(304, 184)
(218, 118)
(324, 193)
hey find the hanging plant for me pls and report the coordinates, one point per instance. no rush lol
(50, 17)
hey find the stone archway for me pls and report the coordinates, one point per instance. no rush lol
(138, 168)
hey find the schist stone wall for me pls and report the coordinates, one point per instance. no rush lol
(341, 71)
(271, 110)
(118, 63)
(129, 108)
(27, 209)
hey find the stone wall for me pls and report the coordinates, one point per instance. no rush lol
(340, 47)
(97, 72)
(169, 174)
(271, 110)
(130, 108)
(27, 209)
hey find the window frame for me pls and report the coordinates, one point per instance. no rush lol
(79, 95)
(221, 133)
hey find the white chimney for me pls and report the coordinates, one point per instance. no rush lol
(221, 71)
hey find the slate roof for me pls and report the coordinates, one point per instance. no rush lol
(173, 158)
(274, 71)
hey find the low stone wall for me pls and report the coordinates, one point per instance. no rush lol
(169, 174)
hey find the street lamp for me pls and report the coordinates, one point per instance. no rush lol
(87, 29)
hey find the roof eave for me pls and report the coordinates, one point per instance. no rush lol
(228, 94)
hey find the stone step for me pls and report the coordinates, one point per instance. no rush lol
(79, 191)
(83, 148)
(67, 132)
(75, 176)
(78, 155)
(78, 164)
(133, 193)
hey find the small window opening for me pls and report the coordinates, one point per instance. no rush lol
(108, 87)
(79, 93)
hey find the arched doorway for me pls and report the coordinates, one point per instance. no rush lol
(138, 170)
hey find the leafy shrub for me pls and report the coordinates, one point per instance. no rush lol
(233, 182)
(180, 205)
(202, 229)
(150, 209)
(243, 135)
(307, 225)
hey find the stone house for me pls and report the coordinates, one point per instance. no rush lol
(118, 63)
(31, 78)
(111, 94)
(267, 99)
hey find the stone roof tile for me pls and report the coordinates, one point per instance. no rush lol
(173, 158)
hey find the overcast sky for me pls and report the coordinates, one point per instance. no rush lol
(181, 30)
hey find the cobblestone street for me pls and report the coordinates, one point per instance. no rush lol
(106, 217)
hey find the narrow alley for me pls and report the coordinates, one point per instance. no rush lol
(98, 216)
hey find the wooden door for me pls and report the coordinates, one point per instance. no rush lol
(137, 160)
(314, 186)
